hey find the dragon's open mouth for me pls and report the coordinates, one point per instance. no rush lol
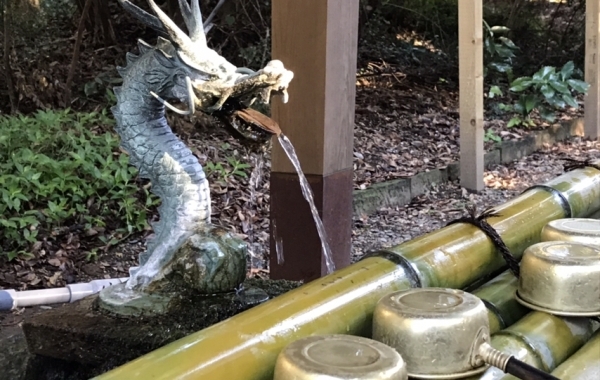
(246, 122)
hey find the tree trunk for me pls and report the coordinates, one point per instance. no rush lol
(98, 21)
(84, 15)
(7, 49)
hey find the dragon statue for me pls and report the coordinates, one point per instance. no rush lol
(186, 250)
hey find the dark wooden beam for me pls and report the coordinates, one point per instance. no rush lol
(317, 40)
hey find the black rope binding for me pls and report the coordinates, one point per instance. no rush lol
(481, 223)
(572, 164)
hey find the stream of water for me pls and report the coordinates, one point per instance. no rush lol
(254, 184)
(287, 146)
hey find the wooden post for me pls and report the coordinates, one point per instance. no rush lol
(317, 40)
(470, 40)
(592, 69)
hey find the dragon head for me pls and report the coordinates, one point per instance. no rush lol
(205, 80)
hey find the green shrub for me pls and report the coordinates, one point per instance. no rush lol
(546, 91)
(499, 51)
(59, 168)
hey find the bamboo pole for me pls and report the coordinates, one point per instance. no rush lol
(584, 364)
(439, 259)
(541, 340)
(499, 298)
(246, 346)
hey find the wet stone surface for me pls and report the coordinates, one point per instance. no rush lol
(209, 261)
(92, 341)
(13, 352)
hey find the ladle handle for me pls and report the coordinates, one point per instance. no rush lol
(524, 371)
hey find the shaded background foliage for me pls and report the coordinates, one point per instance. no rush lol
(41, 38)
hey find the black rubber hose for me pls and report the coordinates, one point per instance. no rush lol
(524, 371)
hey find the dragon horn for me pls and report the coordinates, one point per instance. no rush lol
(193, 20)
(176, 35)
(143, 16)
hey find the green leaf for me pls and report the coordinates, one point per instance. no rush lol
(520, 84)
(504, 52)
(8, 223)
(547, 91)
(547, 114)
(560, 87)
(499, 29)
(500, 67)
(508, 43)
(519, 107)
(494, 91)
(91, 89)
(578, 85)
(567, 70)
(556, 102)
(531, 102)
(505, 107)
(490, 46)
(17, 204)
(515, 121)
(570, 101)
(546, 71)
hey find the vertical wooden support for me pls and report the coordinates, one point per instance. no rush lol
(592, 68)
(317, 40)
(470, 39)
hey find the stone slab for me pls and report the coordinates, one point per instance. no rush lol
(385, 194)
(515, 150)
(420, 182)
(13, 352)
(555, 133)
(17, 363)
(96, 341)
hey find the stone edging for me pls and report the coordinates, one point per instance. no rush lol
(401, 191)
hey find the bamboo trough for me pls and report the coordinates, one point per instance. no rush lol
(458, 256)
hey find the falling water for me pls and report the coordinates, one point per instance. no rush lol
(256, 175)
(287, 146)
(254, 182)
(278, 244)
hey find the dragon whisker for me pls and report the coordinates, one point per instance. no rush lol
(245, 70)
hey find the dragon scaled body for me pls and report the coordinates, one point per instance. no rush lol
(183, 68)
